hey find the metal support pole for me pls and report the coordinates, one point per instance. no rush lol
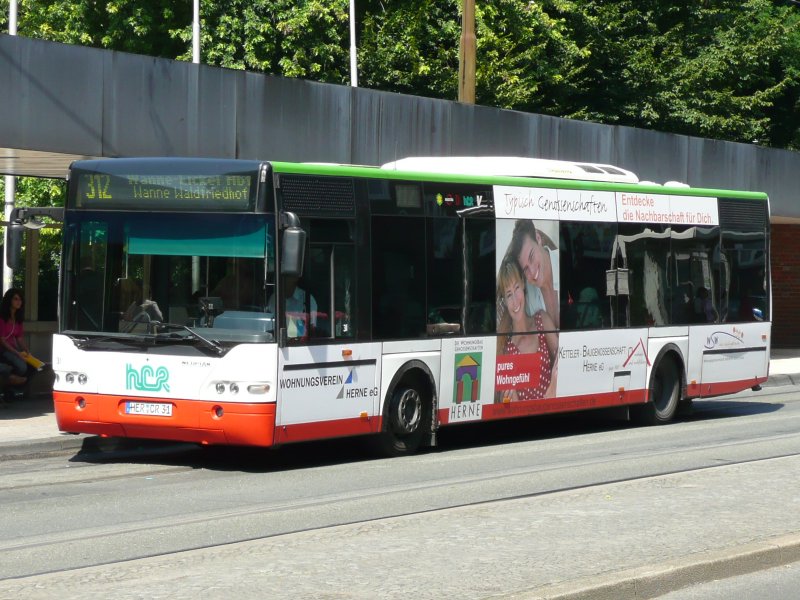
(196, 31)
(12, 17)
(32, 279)
(10, 181)
(196, 60)
(11, 191)
(466, 54)
(353, 55)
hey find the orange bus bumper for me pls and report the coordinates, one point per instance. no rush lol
(245, 424)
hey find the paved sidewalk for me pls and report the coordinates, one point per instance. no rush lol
(784, 367)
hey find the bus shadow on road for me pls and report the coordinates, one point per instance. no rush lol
(224, 458)
(331, 452)
(727, 408)
(355, 450)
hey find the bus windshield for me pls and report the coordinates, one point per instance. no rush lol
(127, 272)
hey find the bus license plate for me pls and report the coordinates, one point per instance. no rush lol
(159, 409)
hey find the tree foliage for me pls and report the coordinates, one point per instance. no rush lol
(410, 47)
(306, 38)
(32, 191)
(142, 27)
(722, 69)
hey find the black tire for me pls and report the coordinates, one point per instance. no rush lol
(408, 420)
(664, 393)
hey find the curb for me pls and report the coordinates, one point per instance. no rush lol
(782, 379)
(674, 574)
(37, 448)
(86, 445)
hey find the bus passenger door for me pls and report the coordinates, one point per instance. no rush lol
(327, 391)
(328, 383)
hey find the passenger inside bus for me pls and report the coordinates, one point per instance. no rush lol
(746, 308)
(589, 312)
(236, 288)
(704, 308)
(301, 309)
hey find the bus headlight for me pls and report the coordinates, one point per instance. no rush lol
(73, 376)
(234, 387)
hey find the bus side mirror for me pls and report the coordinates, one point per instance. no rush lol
(293, 246)
(22, 218)
(14, 240)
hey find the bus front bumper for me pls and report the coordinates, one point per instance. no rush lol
(201, 422)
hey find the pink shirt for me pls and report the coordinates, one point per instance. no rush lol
(11, 329)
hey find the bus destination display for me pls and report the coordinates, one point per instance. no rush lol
(164, 192)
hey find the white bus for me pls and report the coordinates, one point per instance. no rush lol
(263, 303)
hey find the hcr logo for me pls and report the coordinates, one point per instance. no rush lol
(146, 379)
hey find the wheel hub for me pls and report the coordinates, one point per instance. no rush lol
(408, 412)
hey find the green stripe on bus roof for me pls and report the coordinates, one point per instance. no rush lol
(576, 184)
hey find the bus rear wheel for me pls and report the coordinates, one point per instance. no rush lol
(664, 394)
(407, 420)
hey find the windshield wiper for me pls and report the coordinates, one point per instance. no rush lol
(90, 342)
(211, 344)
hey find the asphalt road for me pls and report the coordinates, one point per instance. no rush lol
(59, 514)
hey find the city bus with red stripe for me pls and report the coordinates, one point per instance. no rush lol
(262, 303)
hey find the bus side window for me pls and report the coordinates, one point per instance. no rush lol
(446, 269)
(480, 264)
(343, 291)
(398, 277)
(745, 253)
(695, 277)
(330, 278)
(586, 253)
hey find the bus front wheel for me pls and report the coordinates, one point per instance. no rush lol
(664, 394)
(407, 419)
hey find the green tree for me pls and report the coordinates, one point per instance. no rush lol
(527, 58)
(523, 54)
(724, 69)
(142, 27)
(410, 47)
(294, 38)
(32, 191)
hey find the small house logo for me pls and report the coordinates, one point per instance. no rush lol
(146, 379)
(466, 402)
(468, 377)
